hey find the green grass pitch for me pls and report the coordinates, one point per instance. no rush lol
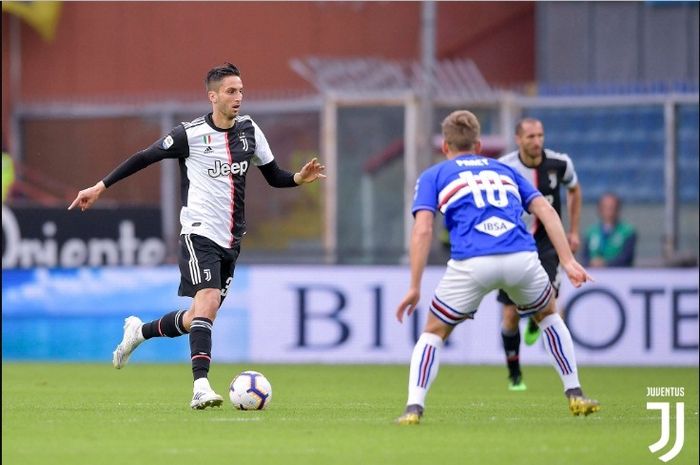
(320, 414)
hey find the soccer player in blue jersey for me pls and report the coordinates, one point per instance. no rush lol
(483, 201)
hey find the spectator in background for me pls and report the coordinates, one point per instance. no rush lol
(610, 242)
(8, 174)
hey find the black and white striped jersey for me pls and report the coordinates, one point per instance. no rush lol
(213, 167)
(555, 170)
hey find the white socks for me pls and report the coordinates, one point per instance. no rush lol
(557, 341)
(201, 384)
(425, 362)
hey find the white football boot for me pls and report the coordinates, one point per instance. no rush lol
(131, 340)
(204, 396)
(204, 399)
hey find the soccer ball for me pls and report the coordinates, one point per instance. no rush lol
(250, 390)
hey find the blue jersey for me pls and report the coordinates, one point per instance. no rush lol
(483, 202)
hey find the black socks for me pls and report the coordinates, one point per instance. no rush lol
(200, 346)
(511, 345)
(169, 325)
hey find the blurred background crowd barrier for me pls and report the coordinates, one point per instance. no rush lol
(644, 148)
(87, 84)
(616, 86)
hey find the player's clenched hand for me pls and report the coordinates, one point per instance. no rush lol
(576, 273)
(408, 304)
(310, 172)
(87, 197)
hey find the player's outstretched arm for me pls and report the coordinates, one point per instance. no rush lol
(576, 273)
(87, 197)
(310, 172)
(421, 238)
(555, 230)
(408, 304)
(136, 162)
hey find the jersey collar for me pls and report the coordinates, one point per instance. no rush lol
(544, 157)
(210, 121)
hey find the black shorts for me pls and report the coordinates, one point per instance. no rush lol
(550, 263)
(204, 264)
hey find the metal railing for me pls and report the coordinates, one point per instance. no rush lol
(458, 85)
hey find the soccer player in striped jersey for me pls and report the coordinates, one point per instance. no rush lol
(483, 201)
(548, 171)
(215, 152)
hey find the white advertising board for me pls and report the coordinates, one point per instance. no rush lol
(335, 314)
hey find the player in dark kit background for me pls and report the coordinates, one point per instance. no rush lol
(215, 152)
(548, 171)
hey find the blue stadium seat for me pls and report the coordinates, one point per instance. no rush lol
(623, 148)
(687, 145)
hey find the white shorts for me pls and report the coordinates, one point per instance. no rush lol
(466, 282)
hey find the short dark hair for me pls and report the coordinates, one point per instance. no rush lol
(519, 126)
(217, 73)
(612, 195)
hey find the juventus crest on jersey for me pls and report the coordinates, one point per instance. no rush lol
(555, 170)
(213, 167)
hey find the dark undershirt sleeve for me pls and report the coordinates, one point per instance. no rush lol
(135, 163)
(277, 177)
(174, 145)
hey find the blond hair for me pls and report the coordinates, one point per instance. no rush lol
(461, 130)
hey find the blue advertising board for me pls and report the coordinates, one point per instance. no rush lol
(77, 314)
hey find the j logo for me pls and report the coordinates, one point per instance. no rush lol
(207, 274)
(665, 429)
(243, 139)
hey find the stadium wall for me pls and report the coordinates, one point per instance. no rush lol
(616, 41)
(335, 314)
(160, 51)
(132, 45)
